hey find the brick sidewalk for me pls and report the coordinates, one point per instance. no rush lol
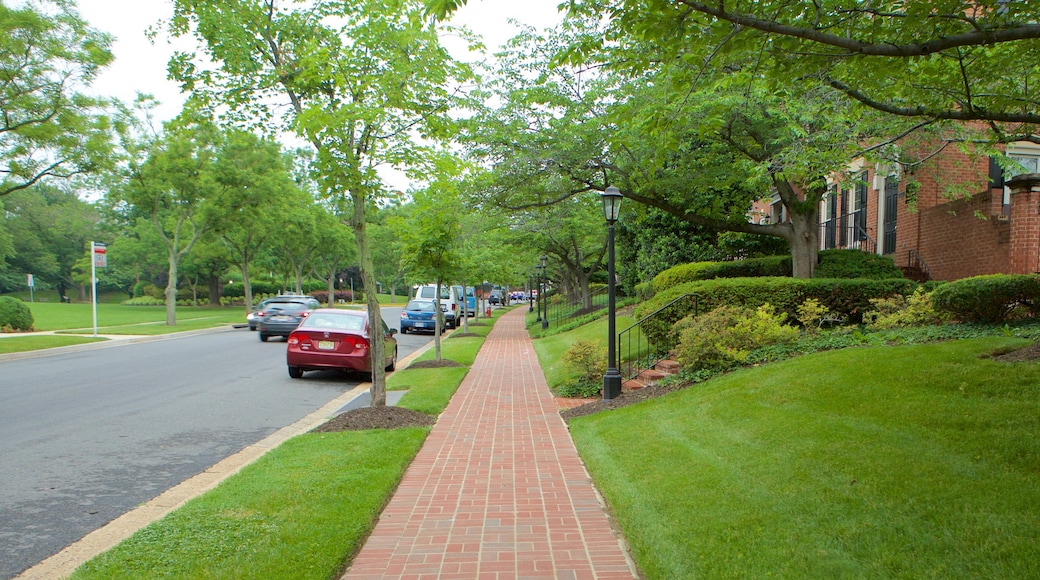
(498, 489)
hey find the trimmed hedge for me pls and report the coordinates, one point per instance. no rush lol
(846, 298)
(14, 314)
(991, 298)
(855, 264)
(753, 267)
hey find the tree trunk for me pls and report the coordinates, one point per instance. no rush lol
(805, 242)
(438, 327)
(375, 315)
(332, 287)
(214, 291)
(171, 289)
(247, 287)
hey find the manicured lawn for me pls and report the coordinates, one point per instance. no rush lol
(119, 319)
(9, 344)
(909, 462)
(298, 512)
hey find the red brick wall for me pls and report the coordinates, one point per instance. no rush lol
(956, 243)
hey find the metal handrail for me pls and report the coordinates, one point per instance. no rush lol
(655, 353)
(914, 259)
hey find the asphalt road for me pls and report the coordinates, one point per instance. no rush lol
(87, 436)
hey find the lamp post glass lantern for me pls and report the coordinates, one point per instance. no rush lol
(611, 209)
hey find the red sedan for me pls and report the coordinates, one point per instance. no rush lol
(331, 338)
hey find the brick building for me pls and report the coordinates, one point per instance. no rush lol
(958, 218)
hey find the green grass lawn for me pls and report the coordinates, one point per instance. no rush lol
(119, 319)
(40, 342)
(298, 512)
(914, 461)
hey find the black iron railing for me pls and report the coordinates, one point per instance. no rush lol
(641, 348)
(560, 307)
(917, 267)
(847, 232)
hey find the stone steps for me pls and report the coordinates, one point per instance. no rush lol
(650, 377)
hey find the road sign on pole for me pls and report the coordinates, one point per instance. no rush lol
(98, 259)
(32, 285)
(100, 253)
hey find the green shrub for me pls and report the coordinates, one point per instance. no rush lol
(855, 264)
(587, 358)
(725, 336)
(848, 299)
(811, 315)
(14, 315)
(750, 268)
(992, 298)
(144, 301)
(904, 312)
(323, 296)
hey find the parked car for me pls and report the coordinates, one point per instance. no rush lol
(331, 338)
(280, 317)
(257, 312)
(452, 301)
(495, 297)
(419, 315)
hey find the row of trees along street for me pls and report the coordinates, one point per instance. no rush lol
(693, 109)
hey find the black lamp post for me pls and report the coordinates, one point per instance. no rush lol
(545, 305)
(539, 268)
(612, 379)
(530, 293)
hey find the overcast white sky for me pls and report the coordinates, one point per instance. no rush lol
(140, 66)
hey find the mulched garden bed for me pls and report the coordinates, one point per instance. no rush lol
(376, 418)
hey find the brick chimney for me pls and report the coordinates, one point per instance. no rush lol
(1025, 223)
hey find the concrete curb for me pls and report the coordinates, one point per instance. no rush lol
(62, 564)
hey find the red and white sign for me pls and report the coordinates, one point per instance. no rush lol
(100, 255)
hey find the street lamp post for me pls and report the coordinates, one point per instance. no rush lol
(612, 379)
(539, 268)
(545, 305)
(530, 293)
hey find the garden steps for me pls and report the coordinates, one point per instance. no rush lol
(650, 377)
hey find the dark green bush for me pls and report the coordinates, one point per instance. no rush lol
(344, 295)
(754, 267)
(855, 264)
(848, 299)
(14, 314)
(992, 298)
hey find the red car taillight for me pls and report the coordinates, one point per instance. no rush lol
(293, 340)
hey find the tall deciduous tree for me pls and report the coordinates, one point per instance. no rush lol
(172, 189)
(362, 80)
(48, 127)
(258, 193)
(431, 240)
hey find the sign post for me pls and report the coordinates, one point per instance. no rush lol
(98, 259)
(31, 287)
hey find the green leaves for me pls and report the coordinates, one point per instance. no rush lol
(48, 128)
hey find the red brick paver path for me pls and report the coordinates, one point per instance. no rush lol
(498, 489)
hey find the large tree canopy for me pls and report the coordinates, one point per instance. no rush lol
(48, 127)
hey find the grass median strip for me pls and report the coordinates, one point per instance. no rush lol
(298, 512)
(39, 342)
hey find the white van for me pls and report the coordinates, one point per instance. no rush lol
(452, 301)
